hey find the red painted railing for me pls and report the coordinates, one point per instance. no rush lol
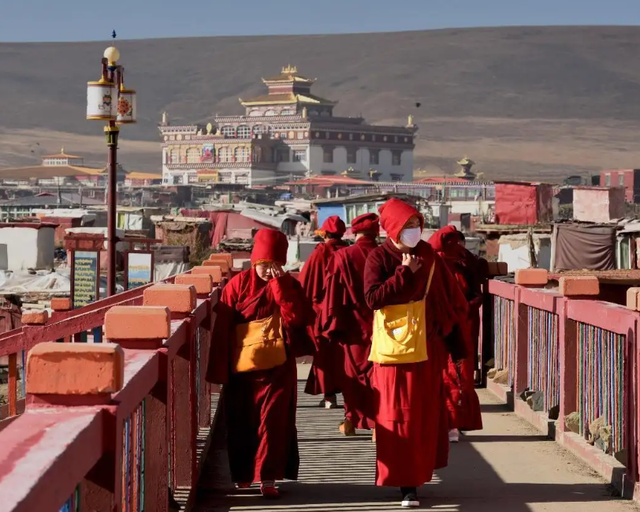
(128, 450)
(581, 358)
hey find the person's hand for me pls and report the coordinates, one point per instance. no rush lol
(411, 261)
(276, 270)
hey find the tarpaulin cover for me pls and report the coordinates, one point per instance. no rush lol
(523, 204)
(585, 247)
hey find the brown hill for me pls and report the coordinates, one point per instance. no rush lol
(522, 102)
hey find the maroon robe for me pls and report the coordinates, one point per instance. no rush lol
(322, 377)
(463, 405)
(347, 321)
(260, 406)
(411, 427)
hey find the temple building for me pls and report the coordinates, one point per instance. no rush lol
(286, 134)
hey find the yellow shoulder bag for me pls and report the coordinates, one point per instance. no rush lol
(400, 333)
(259, 345)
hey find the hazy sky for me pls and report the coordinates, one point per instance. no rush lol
(81, 20)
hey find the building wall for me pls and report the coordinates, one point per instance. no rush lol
(25, 248)
(598, 205)
(627, 178)
(516, 204)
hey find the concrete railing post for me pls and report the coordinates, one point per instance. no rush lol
(80, 375)
(146, 328)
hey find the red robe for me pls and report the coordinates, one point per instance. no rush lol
(411, 427)
(463, 404)
(322, 377)
(347, 321)
(260, 406)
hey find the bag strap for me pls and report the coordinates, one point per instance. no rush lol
(433, 267)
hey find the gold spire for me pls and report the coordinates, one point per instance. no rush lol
(290, 70)
(62, 151)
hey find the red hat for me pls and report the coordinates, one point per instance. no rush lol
(444, 236)
(369, 222)
(334, 225)
(269, 245)
(394, 215)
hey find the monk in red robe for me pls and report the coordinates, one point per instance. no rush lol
(347, 321)
(459, 381)
(411, 427)
(260, 403)
(323, 378)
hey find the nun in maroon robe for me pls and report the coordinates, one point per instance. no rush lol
(347, 321)
(459, 383)
(323, 378)
(411, 427)
(260, 406)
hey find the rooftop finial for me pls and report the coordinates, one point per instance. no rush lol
(290, 70)
(62, 151)
(113, 34)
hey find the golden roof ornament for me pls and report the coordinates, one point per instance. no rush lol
(304, 112)
(165, 118)
(466, 162)
(410, 120)
(290, 70)
(209, 128)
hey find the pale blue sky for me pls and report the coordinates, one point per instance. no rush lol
(82, 20)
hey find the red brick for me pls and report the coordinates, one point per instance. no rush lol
(579, 286)
(222, 256)
(224, 266)
(532, 277)
(61, 304)
(214, 272)
(179, 298)
(497, 268)
(137, 323)
(35, 317)
(633, 294)
(75, 369)
(203, 283)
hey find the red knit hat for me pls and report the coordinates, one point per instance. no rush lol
(269, 245)
(334, 225)
(369, 222)
(394, 215)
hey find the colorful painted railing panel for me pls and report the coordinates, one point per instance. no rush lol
(73, 503)
(601, 379)
(133, 457)
(543, 372)
(504, 334)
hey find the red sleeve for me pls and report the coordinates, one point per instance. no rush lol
(446, 299)
(380, 292)
(294, 306)
(335, 303)
(313, 273)
(222, 336)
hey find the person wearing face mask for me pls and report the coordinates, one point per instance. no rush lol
(261, 327)
(417, 309)
(463, 405)
(325, 372)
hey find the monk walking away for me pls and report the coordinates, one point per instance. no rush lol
(463, 405)
(322, 377)
(347, 322)
(417, 307)
(260, 329)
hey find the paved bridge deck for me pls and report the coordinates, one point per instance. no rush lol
(508, 467)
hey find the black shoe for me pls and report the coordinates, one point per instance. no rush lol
(409, 497)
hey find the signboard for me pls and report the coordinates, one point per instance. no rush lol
(139, 269)
(84, 279)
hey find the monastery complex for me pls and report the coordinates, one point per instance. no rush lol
(285, 134)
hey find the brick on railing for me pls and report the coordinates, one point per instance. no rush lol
(75, 369)
(579, 286)
(179, 298)
(532, 277)
(35, 317)
(145, 325)
(633, 298)
(222, 256)
(223, 265)
(203, 283)
(214, 271)
(61, 304)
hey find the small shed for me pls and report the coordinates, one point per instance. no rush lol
(520, 203)
(598, 204)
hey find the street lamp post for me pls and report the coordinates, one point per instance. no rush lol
(108, 100)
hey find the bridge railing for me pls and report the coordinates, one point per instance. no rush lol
(121, 425)
(568, 363)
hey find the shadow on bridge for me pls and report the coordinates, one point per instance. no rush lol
(508, 466)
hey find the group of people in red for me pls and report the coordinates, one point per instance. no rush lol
(392, 327)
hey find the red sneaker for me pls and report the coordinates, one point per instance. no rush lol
(269, 490)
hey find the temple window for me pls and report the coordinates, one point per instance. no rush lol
(621, 180)
(352, 155)
(224, 154)
(396, 177)
(270, 113)
(241, 154)
(396, 157)
(244, 132)
(607, 180)
(327, 155)
(374, 156)
(228, 132)
(258, 129)
(300, 155)
(193, 156)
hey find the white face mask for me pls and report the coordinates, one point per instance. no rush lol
(411, 236)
